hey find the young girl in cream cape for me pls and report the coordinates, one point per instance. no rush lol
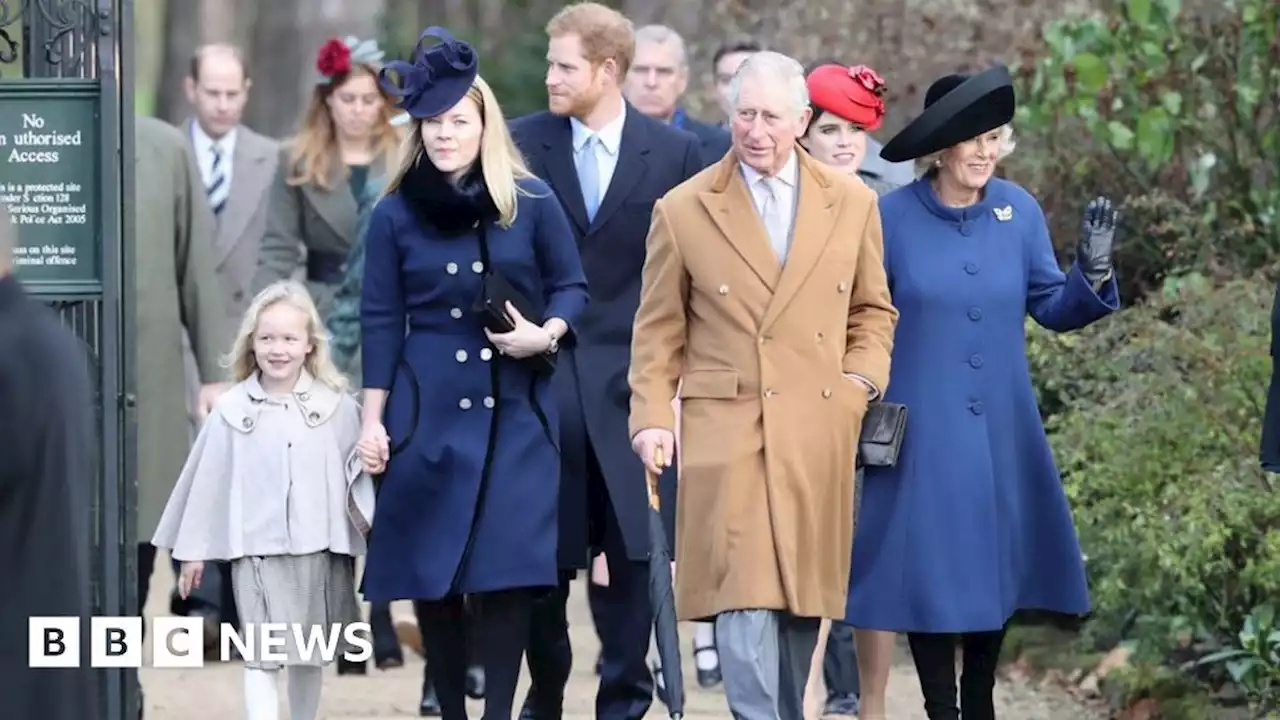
(272, 485)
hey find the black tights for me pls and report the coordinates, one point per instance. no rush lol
(935, 658)
(498, 623)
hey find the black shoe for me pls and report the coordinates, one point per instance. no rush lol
(430, 705)
(347, 667)
(475, 682)
(842, 705)
(389, 661)
(709, 678)
(526, 711)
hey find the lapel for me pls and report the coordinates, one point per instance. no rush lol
(630, 169)
(730, 206)
(563, 174)
(250, 180)
(337, 205)
(810, 232)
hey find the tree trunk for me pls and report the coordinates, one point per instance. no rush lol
(181, 37)
(273, 101)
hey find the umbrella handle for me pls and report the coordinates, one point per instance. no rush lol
(651, 480)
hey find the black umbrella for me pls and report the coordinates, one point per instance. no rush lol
(662, 596)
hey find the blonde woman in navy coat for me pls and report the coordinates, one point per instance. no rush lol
(468, 499)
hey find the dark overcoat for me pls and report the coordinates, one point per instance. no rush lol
(468, 502)
(591, 383)
(46, 419)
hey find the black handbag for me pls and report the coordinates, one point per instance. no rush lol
(495, 293)
(883, 428)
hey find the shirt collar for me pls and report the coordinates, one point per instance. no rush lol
(610, 135)
(204, 142)
(789, 174)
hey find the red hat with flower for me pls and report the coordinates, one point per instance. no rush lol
(336, 57)
(853, 93)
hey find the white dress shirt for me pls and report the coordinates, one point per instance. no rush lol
(606, 150)
(204, 153)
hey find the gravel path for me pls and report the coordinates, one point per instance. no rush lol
(215, 691)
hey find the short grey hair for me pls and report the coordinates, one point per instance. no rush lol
(663, 35)
(1006, 146)
(769, 65)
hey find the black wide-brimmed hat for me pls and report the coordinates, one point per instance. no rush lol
(956, 108)
(438, 77)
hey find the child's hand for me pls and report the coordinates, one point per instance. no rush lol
(374, 448)
(189, 578)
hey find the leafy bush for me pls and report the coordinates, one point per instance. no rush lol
(1154, 417)
(1177, 112)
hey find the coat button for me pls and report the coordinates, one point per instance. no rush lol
(975, 361)
(460, 356)
(826, 392)
(304, 396)
(975, 314)
(477, 267)
(842, 287)
(248, 423)
(456, 313)
(486, 354)
(451, 268)
(488, 402)
(819, 337)
(976, 408)
(966, 229)
(769, 393)
(971, 268)
(315, 416)
(465, 403)
(724, 290)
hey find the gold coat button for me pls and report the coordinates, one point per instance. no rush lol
(724, 290)
(842, 286)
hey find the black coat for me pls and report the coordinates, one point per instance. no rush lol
(591, 381)
(47, 422)
(713, 141)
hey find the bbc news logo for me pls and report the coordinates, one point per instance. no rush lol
(179, 642)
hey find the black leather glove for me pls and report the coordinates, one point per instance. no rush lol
(1097, 239)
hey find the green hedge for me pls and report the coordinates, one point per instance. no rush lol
(1154, 416)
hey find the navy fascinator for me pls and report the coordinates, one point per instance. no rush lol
(438, 77)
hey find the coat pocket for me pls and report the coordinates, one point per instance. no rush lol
(709, 384)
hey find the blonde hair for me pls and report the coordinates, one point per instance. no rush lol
(933, 161)
(314, 148)
(319, 363)
(605, 33)
(500, 161)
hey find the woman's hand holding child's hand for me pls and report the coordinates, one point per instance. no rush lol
(374, 448)
(189, 577)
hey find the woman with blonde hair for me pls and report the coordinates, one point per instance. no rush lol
(268, 487)
(346, 136)
(472, 280)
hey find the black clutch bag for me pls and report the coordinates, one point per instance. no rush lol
(882, 430)
(495, 292)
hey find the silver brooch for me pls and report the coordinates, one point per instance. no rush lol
(1004, 214)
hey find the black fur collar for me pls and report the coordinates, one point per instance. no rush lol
(447, 207)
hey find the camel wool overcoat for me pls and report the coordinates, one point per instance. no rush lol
(762, 355)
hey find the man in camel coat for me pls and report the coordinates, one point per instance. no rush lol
(764, 299)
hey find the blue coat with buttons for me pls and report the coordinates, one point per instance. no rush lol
(972, 525)
(446, 416)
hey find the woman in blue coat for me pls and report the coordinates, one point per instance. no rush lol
(972, 524)
(459, 420)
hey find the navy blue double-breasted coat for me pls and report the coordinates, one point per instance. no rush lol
(423, 343)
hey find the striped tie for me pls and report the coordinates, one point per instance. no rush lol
(218, 187)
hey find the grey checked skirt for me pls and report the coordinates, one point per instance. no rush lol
(314, 590)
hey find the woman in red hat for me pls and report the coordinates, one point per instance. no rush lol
(847, 104)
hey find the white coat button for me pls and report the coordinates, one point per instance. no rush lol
(460, 356)
(486, 354)
(456, 313)
(488, 402)
(465, 403)
(724, 290)
(451, 268)
(477, 267)
(769, 393)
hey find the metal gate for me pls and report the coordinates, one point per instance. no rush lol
(66, 124)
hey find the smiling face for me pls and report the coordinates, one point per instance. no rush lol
(452, 139)
(970, 164)
(281, 343)
(837, 142)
